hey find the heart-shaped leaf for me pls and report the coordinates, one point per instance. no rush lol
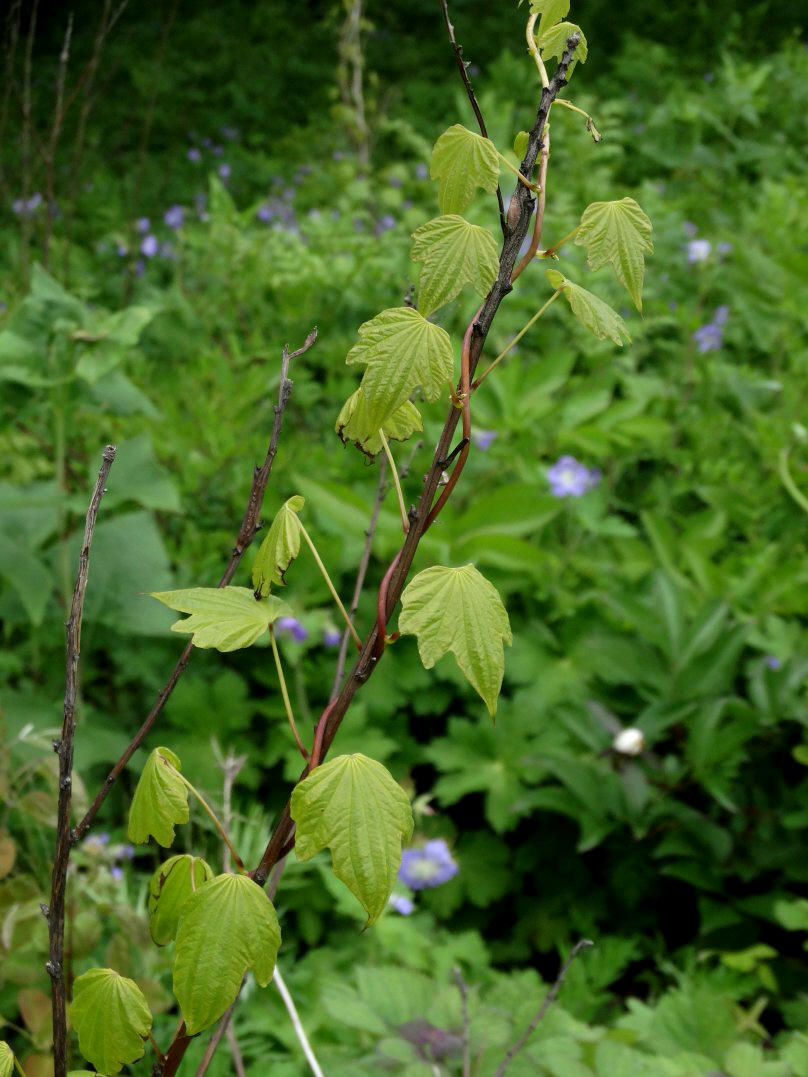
(227, 618)
(461, 162)
(618, 233)
(111, 1017)
(453, 253)
(160, 801)
(170, 887)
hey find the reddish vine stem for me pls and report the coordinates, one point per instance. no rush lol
(64, 749)
(249, 526)
(520, 211)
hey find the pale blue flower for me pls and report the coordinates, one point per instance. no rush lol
(698, 250)
(174, 217)
(331, 636)
(149, 246)
(403, 905)
(194, 155)
(431, 865)
(570, 478)
(483, 438)
(292, 627)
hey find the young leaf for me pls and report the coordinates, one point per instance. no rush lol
(403, 352)
(111, 1017)
(454, 253)
(226, 618)
(597, 316)
(551, 11)
(353, 806)
(458, 610)
(619, 233)
(553, 42)
(353, 425)
(160, 801)
(461, 162)
(227, 927)
(279, 549)
(6, 1060)
(170, 887)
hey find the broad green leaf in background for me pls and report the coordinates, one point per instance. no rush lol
(111, 1018)
(29, 577)
(226, 618)
(403, 352)
(139, 476)
(279, 549)
(458, 610)
(353, 425)
(619, 233)
(170, 887)
(227, 927)
(551, 11)
(461, 162)
(454, 253)
(6, 1059)
(160, 801)
(353, 806)
(595, 315)
(553, 42)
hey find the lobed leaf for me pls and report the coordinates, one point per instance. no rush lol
(226, 928)
(6, 1060)
(454, 253)
(160, 801)
(597, 316)
(353, 424)
(461, 162)
(553, 42)
(111, 1017)
(403, 352)
(353, 806)
(279, 549)
(169, 888)
(618, 233)
(226, 618)
(458, 610)
(551, 11)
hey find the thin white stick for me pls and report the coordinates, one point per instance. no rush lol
(296, 1025)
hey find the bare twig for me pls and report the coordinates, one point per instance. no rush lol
(297, 1025)
(235, 1051)
(549, 999)
(249, 526)
(49, 151)
(462, 67)
(463, 990)
(64, 750)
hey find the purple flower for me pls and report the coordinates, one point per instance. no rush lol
(383, 225)
(772, 661)
(483, 438)
(421, 171)
(698, 250)
(427, 867)
(265, 212)
(194, 155)
(721, 316)
(149, 246)
(230, 133)
(116, 872)
(396, 181)
(403, 905)
(26, 207)
(710, 337)
(569, 478)
(293, 627)
(218, 151)
(121, 250)
(127, 852)
(224, 171)
(331, 636)
(174, 217)
(689, 229)
(723, 247)
(96, 841)
(142, 224)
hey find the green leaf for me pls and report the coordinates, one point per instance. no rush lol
(618, 233)
(551, 11)
(279, 549)
(226, 618)
(169, 888)
(111, 1017)
(353, 425)
(458, 610)
(403, 352)
(461, 162)
(553, 42)
(160, 801)
(597, 316)
(227, 927)
(353, 806)
(454, 253)
(6, 1059)
(520, 144)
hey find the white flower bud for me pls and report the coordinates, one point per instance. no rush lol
(629, 741)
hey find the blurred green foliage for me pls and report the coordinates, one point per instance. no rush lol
(670, 598)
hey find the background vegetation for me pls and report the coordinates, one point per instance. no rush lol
(205, 204)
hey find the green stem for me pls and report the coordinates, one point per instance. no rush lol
(405, 523)
(290, 716)
(18, 1067)
(556, 246)
(331, 587)
(590, 123)
(212, 815)
(533, 48)
(152, 1041)
(788, 481)
(530, 186)
(516, 339)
